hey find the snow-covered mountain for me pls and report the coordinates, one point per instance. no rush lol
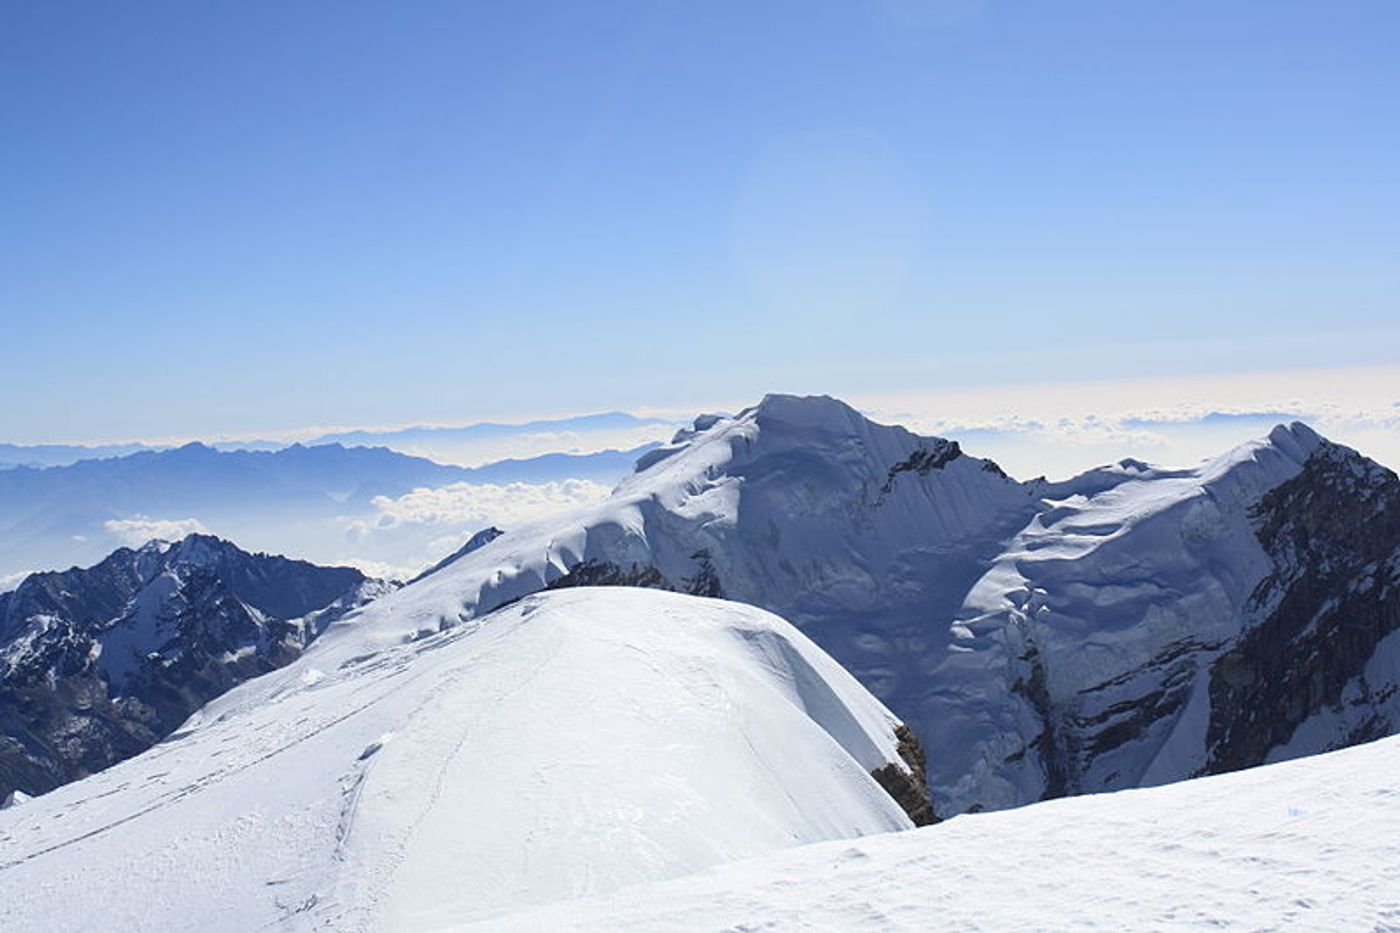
(1151, 625)
(598, 438)
(98, 664)
(572, 743)
(1303, 845)
(1130, 626)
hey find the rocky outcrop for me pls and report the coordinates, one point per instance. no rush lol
(935, 456)
(704, 581)
(606, 573)
(908, 788)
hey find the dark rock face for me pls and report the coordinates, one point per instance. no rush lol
(704, 582)
(99, 664)
(1053, 748)
(935, 456)
(1333, 533)
(603, 573)
(909, 788)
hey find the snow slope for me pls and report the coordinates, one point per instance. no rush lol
(1305, 845)
(568, 744)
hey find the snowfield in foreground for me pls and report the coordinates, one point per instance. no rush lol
(1312, 844)
(569, 744)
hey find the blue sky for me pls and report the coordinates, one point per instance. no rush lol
(225, 218)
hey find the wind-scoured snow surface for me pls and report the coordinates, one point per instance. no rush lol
(1304, 845)
(569, 744)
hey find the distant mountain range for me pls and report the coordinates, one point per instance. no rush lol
(418, 436)
(289, 498)
(42, 455)
(493, 440)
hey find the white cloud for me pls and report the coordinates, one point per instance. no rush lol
(1061, 428)
(483, 504)
(138, 529)
(406, 534)
(377, 568)
(11, 580)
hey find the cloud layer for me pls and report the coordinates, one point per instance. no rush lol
(1061, 428)
(138, 529)
(485, 503)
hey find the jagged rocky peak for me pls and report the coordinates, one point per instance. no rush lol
(1324, 651)
(98, 663)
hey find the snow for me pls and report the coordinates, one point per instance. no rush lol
(146, 626)
(795, 463)
(569, 744)
(1130, 565)
(1312, 844)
